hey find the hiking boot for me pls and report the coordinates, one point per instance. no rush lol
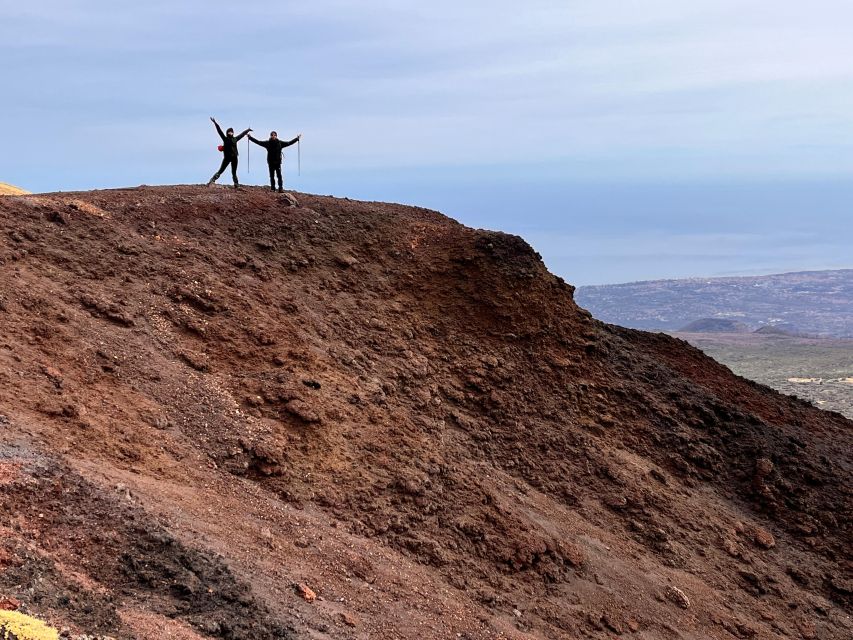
(272, 188)
(280, 190)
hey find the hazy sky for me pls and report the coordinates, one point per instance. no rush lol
(626, 139)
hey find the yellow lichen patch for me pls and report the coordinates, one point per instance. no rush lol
(25, 627)
(9, 190)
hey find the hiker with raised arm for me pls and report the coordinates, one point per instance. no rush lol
(229, 152)
(274, 148)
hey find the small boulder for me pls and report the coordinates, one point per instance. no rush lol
(763, 539)
(676, 595)
(288, 200)
(732, 548)
(763, 468)
(303, 411)
(305, 592)
(841, 584)
(616, 501)
(807, 629)
(348, 619)
(345, 261)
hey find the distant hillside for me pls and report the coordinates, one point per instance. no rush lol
(809, 302)
(715, 325)
(819, 370)
(10, 190)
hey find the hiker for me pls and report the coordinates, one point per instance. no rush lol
(274, 147)
(229, 152)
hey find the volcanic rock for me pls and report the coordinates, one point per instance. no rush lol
(433, 431)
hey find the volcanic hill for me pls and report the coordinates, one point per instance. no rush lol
(226, 417)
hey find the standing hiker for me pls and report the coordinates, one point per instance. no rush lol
(229, 152)
(274, 147)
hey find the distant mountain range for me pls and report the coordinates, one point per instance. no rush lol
(818, 303)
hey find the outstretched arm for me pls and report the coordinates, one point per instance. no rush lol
(294, 141)
(218, 128)
(260, 143)
(242, 134)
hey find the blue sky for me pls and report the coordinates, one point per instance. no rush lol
(625, 139)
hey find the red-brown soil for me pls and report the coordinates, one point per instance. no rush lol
(210, 400)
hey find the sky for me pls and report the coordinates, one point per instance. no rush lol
(624, 139)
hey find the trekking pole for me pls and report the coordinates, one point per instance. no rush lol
(248, 156)
(299, 157)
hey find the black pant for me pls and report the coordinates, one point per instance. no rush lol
(275, 170)
(225, 163)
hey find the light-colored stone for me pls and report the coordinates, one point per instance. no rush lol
(676, 595)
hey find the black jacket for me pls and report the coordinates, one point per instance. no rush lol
(273, 148)
(229, 143)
